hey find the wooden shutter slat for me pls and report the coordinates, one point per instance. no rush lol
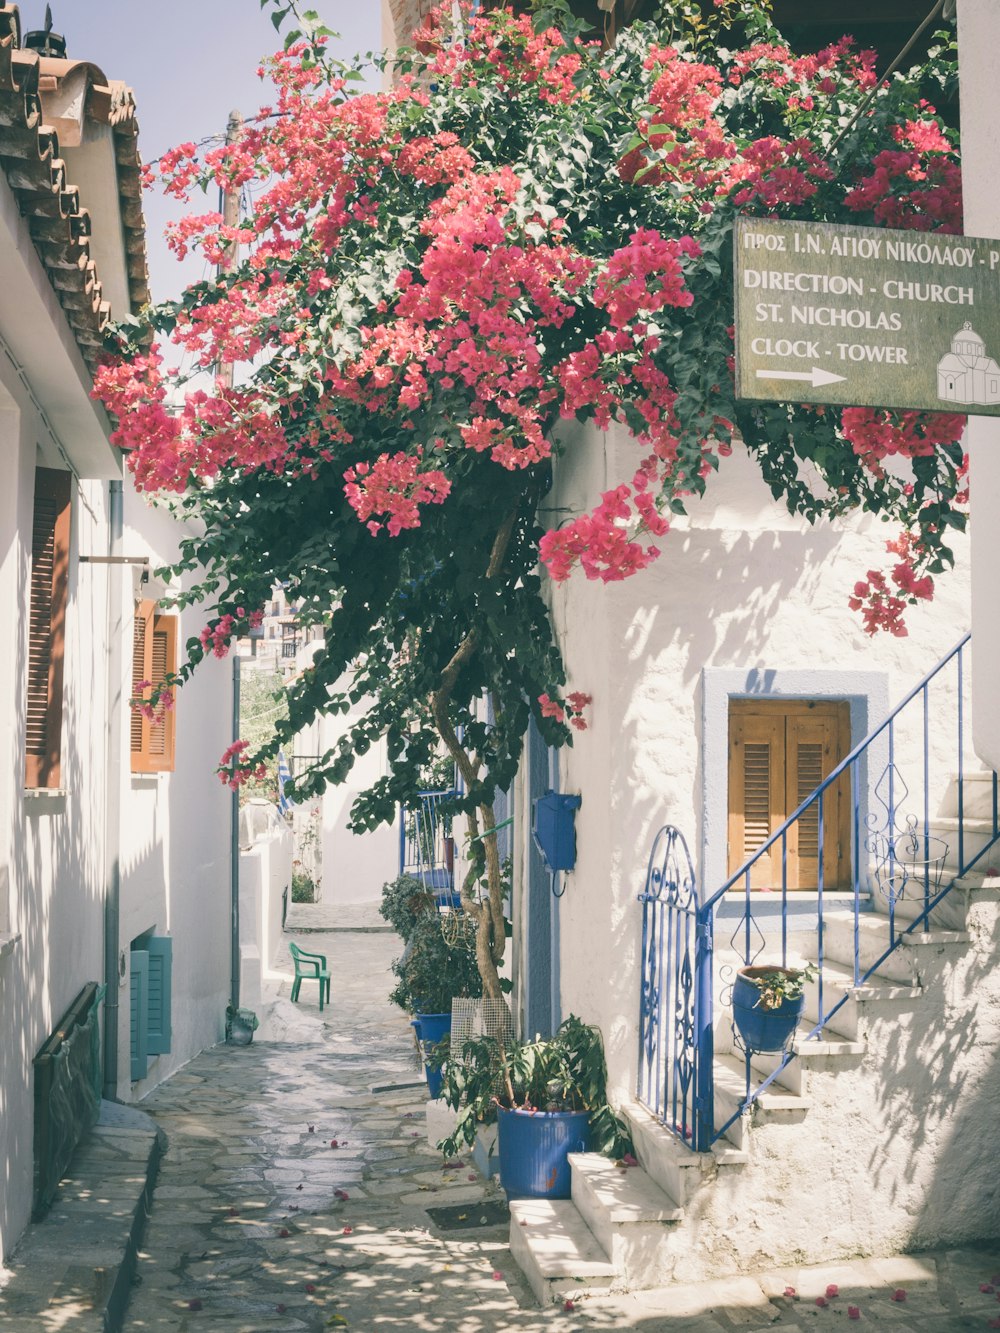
(48, 591)
(756, 793)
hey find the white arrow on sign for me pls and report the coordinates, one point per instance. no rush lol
(816, 376)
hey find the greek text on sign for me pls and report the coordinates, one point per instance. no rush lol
(860, 316)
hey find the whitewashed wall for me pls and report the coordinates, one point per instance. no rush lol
(175, 833)
(51, 843)
(741, 585)
(977, 34)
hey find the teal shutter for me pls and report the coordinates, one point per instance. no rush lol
(160, 949)
(137, 1012)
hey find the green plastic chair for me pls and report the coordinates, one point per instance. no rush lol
(309, 967)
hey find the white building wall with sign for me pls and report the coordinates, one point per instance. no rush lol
(978, 33)
(741, 590)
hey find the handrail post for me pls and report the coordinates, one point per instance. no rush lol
(704, 1125)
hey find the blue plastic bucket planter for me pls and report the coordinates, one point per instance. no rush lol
(430, 1029)
(534, 1150)
(763, 1029)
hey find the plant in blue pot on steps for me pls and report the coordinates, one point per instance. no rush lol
(437, 966)
(767, 1004)
(549, 1099)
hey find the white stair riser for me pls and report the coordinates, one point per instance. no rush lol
(677, 1172)
(838, 945)
(549, 1289)
(977, 797)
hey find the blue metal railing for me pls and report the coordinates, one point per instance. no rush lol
(426, 844)
(893, 855)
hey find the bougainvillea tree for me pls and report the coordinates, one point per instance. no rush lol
(523, 228)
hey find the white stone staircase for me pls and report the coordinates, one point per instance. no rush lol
(842, 1154)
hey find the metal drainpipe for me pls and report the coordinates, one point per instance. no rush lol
(113, 795)
(234, 883)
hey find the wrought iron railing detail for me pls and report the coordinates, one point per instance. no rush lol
(426, 842)
(893, 855)
(669, 1047)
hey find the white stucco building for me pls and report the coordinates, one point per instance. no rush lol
(114, 832)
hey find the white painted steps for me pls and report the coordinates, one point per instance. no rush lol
(610, 1233)
(556, 1250)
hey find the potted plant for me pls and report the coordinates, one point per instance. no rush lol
(437, 966)
(548, 1097)
(768, 1002)
(404, 900)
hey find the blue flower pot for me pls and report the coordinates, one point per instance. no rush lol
(534, 1150)
(763, 1029)
(430, 1029)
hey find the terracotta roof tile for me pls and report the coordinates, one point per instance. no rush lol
(35, 110)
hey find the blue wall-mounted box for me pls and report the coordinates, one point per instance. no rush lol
(553, 829)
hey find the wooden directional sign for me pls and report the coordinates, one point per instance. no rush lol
(860, 316)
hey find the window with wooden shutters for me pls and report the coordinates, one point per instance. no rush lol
(779, 753)
(47, 626)
(154, 657)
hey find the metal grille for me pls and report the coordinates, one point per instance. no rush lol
(67, 1093)
(479, 1018)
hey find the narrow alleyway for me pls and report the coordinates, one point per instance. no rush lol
(259, 1222)
(298, 1192)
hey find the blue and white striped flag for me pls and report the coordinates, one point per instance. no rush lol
(284, 775)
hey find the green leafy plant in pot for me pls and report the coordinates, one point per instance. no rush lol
(437, 966)
(767, 1004)
(404, 901)
(548, 1098)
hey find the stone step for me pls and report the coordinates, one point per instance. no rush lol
(730, 1093)
(628, 1214)
(829, 1052)
(977, 795)
(676, 1169)
(873, 939)
(977, 835)
(556, 1250)
(838, 983)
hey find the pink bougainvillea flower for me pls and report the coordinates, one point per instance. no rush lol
(497, 1276)
(986, 1286)
(569, 1306)
(284, 1232)
(789, 1291)
(821, 1301)
(310, 1287)
(853, 1312)
(833, 1290)
(334, 1143)
(347, 1231)
(899, 1294)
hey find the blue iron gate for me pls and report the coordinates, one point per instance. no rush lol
(673, 1003)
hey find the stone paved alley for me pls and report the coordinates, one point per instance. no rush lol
(259, 1224)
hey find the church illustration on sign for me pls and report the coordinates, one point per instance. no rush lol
(966, 374)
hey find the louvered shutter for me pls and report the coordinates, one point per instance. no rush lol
(159, 948)
(814, 745)
(756, 793)
(780, 751)
(138, 1002)
(46, 626)
(154, 656)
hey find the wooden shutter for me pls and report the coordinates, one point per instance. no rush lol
(139, 980)
(159, 949)
(816, 740)
(756, 792)
(154, 656)
(47, 626)
(780, 751)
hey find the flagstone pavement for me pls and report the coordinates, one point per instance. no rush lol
(295, 1188)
